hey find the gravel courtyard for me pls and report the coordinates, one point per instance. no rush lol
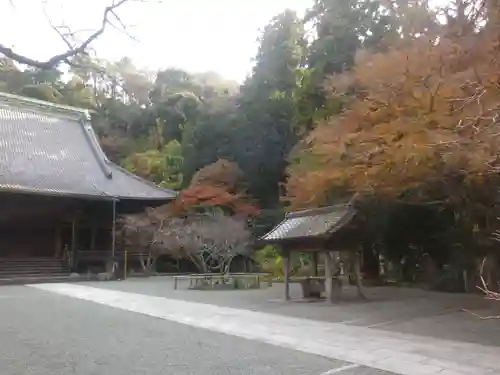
(54, 329)
(47, 334)
(403, 310)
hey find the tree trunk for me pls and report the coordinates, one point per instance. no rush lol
(314, 263)
(142, 261)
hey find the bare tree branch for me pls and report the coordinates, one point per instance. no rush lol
(485, 289)
(210, 241)
(72, 51)
(123, 27)
(58, 31)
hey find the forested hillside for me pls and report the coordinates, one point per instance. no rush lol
(394, 102)
(166, 125)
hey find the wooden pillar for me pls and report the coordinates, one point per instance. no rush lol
(74, 241)
(333, 287)
(111, 264)
(356, 269)
(113, 230)
(314, 264)
(58, 243)
(93, 230)
(328, 276)
(286, 273)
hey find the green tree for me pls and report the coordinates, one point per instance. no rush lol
(342, 28)
(212, 137)
(267, 107)
(162, 166)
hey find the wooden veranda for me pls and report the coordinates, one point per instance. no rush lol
(59, 193)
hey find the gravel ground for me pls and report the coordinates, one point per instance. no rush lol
(48, 334)
(403, 310)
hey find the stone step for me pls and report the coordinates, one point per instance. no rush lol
(30, 260)
(32, 268)
(17, 277)
(46, 264)
(57, 261)
(33, 271)
(29, 263)
(43, 279)
(33, 275)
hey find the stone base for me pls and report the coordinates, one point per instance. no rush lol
(105, 276)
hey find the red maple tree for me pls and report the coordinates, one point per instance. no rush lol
(220, 184)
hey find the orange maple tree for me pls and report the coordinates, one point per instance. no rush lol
(422, 122)
(222, 173)
(220, 184)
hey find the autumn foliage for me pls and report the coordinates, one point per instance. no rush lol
(421, 123)
(222, 173)
(210, 195)
(220, 184)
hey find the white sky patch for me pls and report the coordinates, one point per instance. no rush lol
(195, 35)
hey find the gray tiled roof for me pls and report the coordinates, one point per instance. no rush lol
(311, 223)
(53, 150)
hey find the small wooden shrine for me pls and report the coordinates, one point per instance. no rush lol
(326, 231)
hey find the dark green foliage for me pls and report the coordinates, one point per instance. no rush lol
(138, 114)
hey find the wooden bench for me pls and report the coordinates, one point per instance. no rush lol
(259, 277)
(232, 281)
(132, 254)
(196, 280)
(314, 286)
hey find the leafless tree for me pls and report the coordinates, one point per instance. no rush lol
(486, 287)
(223, 238)
(179, 238)
(110, 18)
(138, 233)
(209, 241)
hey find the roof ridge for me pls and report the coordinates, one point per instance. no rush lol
(110, 180)
(41, 104)
(82, 117)
(97, 151)
(317, 211)
(312, 223)
(139, 178)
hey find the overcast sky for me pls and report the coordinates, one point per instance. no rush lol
(196, 35)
